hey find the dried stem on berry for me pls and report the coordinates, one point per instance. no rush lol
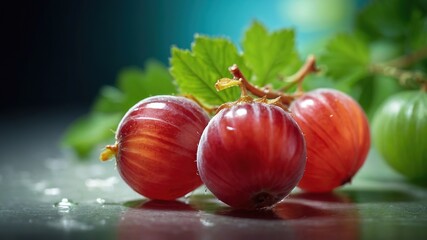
(265, 94)
(260, 92)
(109, 152)
(285, 99)
(225, 83)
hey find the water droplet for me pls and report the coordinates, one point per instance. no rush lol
(64, 206)
(331, 115)
(52, 191)
(100, 201)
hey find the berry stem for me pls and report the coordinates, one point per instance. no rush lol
(259, 92)
(227, 82)
(109, 152)
(308, 67)
(297, 79)
(224, 83)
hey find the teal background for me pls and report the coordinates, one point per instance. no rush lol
(59, 53)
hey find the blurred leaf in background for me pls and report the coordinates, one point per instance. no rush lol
(133, 84)
(389, 37)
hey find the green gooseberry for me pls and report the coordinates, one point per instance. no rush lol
(399, 130)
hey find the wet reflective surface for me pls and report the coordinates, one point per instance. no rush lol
(45, 193)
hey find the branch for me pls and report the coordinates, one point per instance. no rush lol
(409, 59)
(308, 67)
(405, 77)
(260, 92)
(286, 99)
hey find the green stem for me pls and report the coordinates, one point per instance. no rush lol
(297, 79)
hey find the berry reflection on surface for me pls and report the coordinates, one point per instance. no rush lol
(299, 216)
(157, 219)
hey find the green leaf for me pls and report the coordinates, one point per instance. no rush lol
(90, 131)
(269, 55)
(318, 81)
(110, 99)
(346, 55)
(197, 71)
(133, 85)
(131, 82)
(417, 31)
(402, 23)
(383, 19)
(157, 80)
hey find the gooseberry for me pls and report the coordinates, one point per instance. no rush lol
(251, 155)
(400, 133)
(337, 135)
(156, 144)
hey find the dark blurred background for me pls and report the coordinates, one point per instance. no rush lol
(59, 53)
